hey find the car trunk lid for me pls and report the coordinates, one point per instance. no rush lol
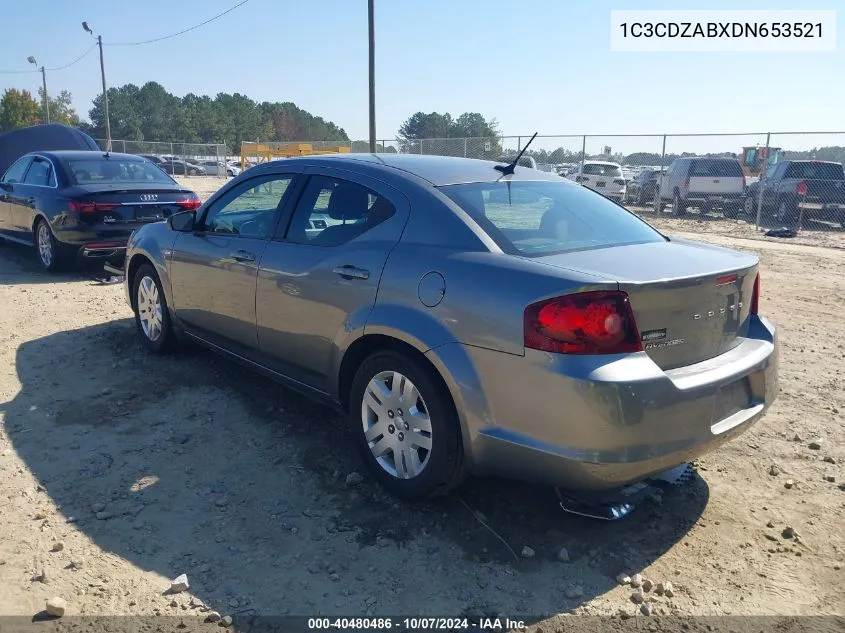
(126, 205)
(690, 301)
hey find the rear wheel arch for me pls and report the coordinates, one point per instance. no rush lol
(364, 347)
(135, 263)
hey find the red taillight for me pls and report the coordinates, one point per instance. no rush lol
(190, 203)
(801, 188)
(755, 296)
(81, 206)
(686, 183)
(599, 322)
(724, 280)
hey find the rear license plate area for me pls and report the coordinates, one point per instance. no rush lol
(601, 183)
(148, 213)
(731, 398)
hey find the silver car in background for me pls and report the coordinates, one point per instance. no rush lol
(466, 320)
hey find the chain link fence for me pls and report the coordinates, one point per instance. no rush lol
(781, 183)
(181, 159)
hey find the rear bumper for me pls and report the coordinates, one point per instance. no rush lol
(592, 423)
(713, 198)
(822, 209)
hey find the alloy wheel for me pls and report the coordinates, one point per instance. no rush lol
(396, 425)
(45, 245)
(149, 308)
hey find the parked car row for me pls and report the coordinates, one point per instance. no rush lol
(791, 189)
(175, 165)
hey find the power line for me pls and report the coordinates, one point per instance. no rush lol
(23, 72)
(80, 58)
(167, 37)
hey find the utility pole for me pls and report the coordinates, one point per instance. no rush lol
(46, 99)
(105, 92)
(372, 38)
(32, 60)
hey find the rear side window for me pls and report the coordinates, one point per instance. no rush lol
(716, 169)
(332, 212)
(822, 171)
(97, 171)
(17, 170)
(40, 173)
(535, 218)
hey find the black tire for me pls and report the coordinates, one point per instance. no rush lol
(679, 207)
(59, 253)
(731, 210)
(165, 341)
(230, 173)
(445, 468)
(192, 172)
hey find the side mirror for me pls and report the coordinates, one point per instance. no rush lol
(6, 186)
(182, 221)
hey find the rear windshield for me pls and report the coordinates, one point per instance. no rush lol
(536, 218)
(716, 168)
(823, 171)
(94, 171)
(593, 169)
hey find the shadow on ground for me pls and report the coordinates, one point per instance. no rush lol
(197, 466)
(20, 265)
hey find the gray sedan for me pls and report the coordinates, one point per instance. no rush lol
(466, 320)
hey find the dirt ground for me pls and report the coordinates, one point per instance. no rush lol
(138, 469)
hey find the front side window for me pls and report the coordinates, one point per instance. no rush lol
(536, 218)
(248, 209)
(40, 173)
(16, 172)
(333, 211)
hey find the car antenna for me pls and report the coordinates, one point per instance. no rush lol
(507, 170)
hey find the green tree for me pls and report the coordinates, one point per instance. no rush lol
(61, 108)
(438, 126)
(18, 109)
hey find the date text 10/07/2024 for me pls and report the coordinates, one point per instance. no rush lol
(416, 624)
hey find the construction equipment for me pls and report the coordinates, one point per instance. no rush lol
(254, 153)
(758, 158)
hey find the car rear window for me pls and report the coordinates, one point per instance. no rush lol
(823, 171)
(535, 218)
(595, 169)
(94, 171)
(716, 168)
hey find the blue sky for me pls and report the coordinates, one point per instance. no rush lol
(538, 65)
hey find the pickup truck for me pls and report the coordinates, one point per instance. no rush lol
(811, 189)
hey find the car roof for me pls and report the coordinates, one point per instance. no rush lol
(601, 162)
(81, 155)
(437, 170)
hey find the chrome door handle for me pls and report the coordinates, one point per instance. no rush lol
(351, 272)
(243, 256)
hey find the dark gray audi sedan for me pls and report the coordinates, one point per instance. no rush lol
(465, 319)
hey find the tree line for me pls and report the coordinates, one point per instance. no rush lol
(150, 113)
